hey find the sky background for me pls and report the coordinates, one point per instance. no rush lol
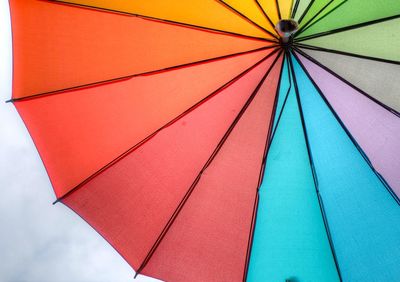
(40, 241)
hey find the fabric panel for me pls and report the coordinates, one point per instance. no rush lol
(324, 11)
(285, 7)
(315, 8)
(79, 132)
(204, 13)
(363, 217)
(284, 87)
(56, 46)
(250, 9)
(132, 201)
(377, 79)
(375, 129)
(270, 8)
(355, 12)
(301, 8)
(367, 41)
(208, 240)
(290, 240)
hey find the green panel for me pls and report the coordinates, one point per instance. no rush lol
(355, 12)
(381, 40)
(290, 240)
(301, 8)
(315, 8)
(333, 5)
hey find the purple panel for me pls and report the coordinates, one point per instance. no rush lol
(376, 130)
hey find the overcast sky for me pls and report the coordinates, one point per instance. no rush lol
(40, 241)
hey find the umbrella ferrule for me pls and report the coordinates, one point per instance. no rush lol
(286, 28)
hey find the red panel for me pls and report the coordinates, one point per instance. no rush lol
(208, 240)
(79, 132)
(57, 46)
(132, 201)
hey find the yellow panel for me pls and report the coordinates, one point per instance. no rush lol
(285, 7)
(252, 11)
(269, 6)
(205, 13)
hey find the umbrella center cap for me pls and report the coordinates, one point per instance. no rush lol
(286, 28)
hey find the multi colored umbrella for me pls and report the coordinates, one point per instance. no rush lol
(221, 140)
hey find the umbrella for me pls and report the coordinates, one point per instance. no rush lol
(221, 140)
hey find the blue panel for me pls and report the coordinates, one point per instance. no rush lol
(290, 240)
(363, 217)
(283, 88)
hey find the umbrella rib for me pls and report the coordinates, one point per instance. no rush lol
(278, 9)
(315, 177)
(306, 11)
(226, 5)
(317, 48)
(313, 17)
(313, 23)
(346, 28)
(137, 145)
(284, 103)
(166, 21)
(251, 235)
(386, 107)
(152, 72)
(208, 162)
(265, 14)
(268, 142)
(291, 9)
(353, 140)
(294, 9)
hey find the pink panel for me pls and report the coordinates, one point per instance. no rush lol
(375, 129)
(209, 238)
(79, 132)
(132, 201)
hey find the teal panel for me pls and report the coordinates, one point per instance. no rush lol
(363, 217)
(283, 89)
(290, 240)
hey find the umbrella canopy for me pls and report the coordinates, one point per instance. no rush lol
(222, 140)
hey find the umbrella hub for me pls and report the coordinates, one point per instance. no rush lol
(286, 28)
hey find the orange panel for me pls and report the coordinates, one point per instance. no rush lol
(79, 132)
(204, 13)
(270, 8)
(58, 46)
(285, 8)
(252, 11)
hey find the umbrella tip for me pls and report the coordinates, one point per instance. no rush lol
(286, 28)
